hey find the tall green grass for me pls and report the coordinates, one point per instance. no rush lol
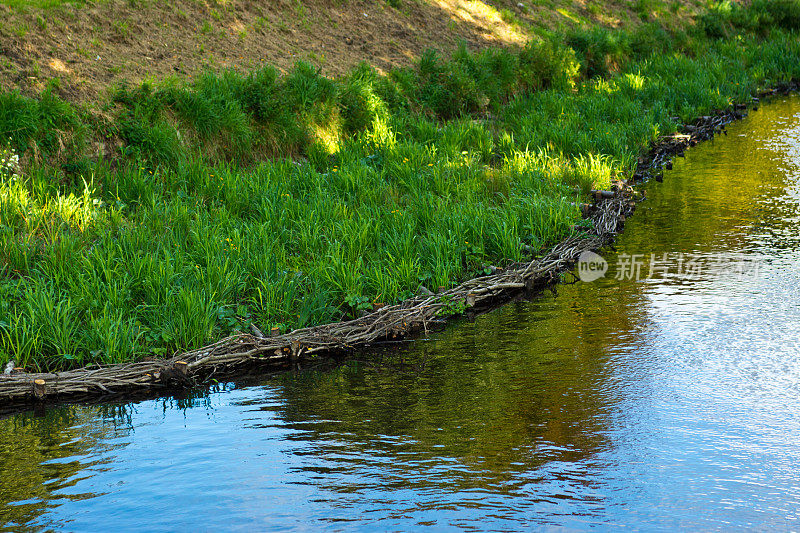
(188, 211)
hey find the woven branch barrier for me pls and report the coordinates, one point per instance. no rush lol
(415, 314)
(608, 214)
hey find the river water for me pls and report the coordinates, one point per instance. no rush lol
(667, 399)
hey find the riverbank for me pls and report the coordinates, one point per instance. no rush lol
(409, 317)
(605, 218)
(158, 226)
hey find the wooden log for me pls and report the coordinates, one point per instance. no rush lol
(600, 195)
(39, 388)
(181, 368)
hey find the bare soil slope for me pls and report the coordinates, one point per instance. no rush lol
(92, 45)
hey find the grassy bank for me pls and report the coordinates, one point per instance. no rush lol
(185, 211)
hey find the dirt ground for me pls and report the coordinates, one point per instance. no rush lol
(93, 45)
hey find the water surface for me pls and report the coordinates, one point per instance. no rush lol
(660, 403)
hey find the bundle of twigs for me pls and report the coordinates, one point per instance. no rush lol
(417, 313)
(702, 129)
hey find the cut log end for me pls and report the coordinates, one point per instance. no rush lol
(181, 368)
(39, 388)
